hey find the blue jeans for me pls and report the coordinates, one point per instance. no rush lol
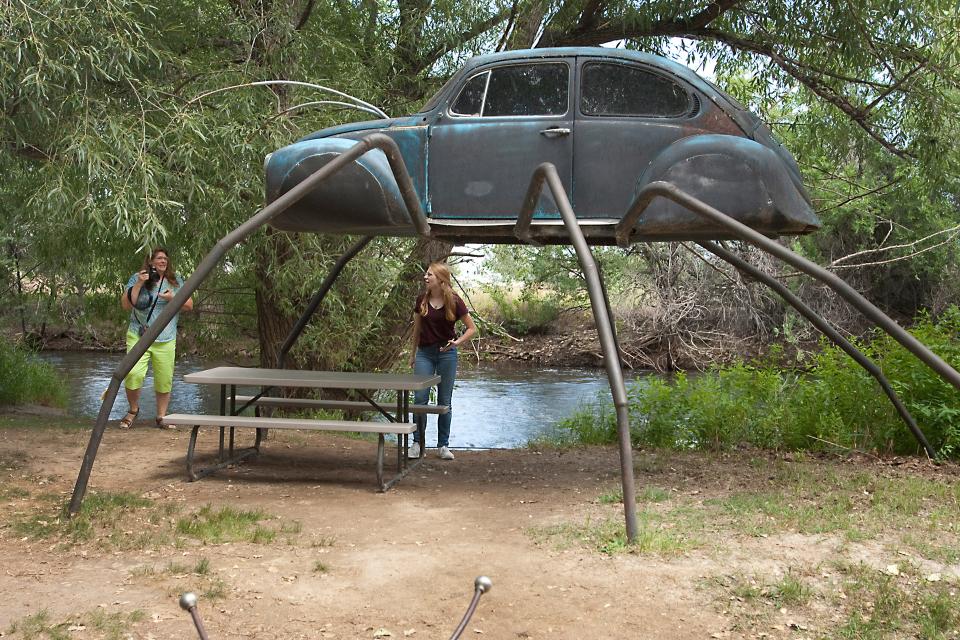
(429, 361)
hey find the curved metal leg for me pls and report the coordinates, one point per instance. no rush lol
(206, 266)
(611, 354)
(312, 307)
(820, 323)
(742, 231)
(318, 297)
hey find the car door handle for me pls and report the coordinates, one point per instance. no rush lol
(555, 132)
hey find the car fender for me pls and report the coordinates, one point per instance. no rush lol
(737, 176)
(363, 197)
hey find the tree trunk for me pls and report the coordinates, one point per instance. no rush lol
(380, 347)
(273, 323)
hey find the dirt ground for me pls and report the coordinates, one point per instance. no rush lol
(349, 562)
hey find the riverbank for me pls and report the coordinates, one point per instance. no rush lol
(741, 545)
(571, 342)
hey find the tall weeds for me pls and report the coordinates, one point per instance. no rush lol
(26, 380)
(830, 403)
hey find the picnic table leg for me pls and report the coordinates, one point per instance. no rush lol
(195, 473)
(382, 487)
(401, 439)
(191, 449)
(233, 412)
(223, 412)
(421, 425)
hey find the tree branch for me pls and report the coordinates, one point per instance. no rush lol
(305, 15)
(620, 29)
(864, 194)
(857, 115)
(431, 56)
(953, 231)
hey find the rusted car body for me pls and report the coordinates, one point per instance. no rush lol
(610, 120)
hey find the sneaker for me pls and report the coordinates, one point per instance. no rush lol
(414, 450)
(445, 453)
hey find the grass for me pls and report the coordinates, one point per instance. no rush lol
(866, 603)
(63, 423)
(24, 379)
(113, 520)
(226, 525)
(115, 626)
(39, 625)
(110, 626)
(215, 590)
(13, 460)
(879, 604)
(291, 528)
(646, 494)
(12, 493)
(804, 499)
(125, 521)
(655, 536)
(203, 567)
(829, 404)
(320, 567)
(323, 541)
(790, 590)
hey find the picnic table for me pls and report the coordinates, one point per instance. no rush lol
(270, 383)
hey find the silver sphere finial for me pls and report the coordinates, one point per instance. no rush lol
(483, 584)
(188, 601)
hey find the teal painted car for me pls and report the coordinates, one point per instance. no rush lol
(611, 121)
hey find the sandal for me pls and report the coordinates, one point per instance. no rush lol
(128, 419)
(159, 422)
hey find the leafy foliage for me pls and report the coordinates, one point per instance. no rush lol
(834, 404)
(27, 380)
(107, 147)
(527, 313)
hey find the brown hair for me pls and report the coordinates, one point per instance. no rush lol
(170, 274)
(442, 272)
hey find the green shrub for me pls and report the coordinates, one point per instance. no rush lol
(529, 313)
(26, 380)
(933, 402)
(835, 403)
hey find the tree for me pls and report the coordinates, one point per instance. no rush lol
(104, 147)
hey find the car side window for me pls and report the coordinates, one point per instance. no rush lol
(470, 100)
(621, 90)
(517, 90)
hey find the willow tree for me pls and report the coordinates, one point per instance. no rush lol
(108, 149)
(105, 147)
(865, 95)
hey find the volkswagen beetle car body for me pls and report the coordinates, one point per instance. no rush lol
(610, 120)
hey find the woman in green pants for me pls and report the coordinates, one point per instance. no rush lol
(147, 292)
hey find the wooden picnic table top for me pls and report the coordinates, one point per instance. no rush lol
(257, 377)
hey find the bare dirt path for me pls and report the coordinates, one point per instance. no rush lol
(347, 562)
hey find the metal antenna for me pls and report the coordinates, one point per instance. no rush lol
(188, 602)
(481, 585)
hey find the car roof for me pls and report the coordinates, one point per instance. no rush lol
(717, 95)
(593, 52)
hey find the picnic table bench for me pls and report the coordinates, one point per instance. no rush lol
(398, 423)
(338, 405)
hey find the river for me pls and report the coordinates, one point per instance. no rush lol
(494, 406)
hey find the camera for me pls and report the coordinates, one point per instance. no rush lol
(153, 276)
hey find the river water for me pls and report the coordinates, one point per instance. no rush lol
(494, 406)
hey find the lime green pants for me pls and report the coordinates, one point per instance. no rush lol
(161, 355)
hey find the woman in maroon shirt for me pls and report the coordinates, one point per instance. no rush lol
(435, 343)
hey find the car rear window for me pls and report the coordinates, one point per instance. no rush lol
(516, 90)
(621, 90)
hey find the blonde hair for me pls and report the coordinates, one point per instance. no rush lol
(442, 272)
